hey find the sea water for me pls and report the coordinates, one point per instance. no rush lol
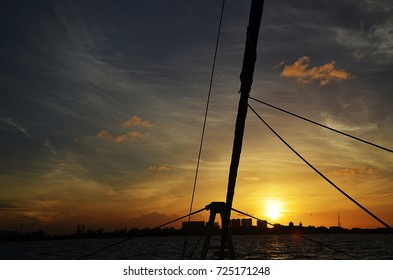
(275, 247)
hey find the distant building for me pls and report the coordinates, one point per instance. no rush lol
(193, 226)
(337, 229)
(291, 224)
(247, 222)
(80, 229)
(7, 234)
(262, 224)
(235, 223)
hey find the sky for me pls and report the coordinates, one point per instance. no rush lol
(102, 107)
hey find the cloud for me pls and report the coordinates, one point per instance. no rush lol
(131, 136)
(278, 65)
(374, 40)
(11, 122)
(45, 142)
(361, 124)
(357, 56)
(103, 134)
(324, 74)
(354, 171)
(138, 121)
(160, 168)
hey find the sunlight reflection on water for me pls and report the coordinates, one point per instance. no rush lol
(275, 247)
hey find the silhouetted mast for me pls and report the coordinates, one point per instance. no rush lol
(246, 78)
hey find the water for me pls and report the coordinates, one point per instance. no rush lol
(276, 247)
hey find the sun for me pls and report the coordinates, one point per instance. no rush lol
(273, 209)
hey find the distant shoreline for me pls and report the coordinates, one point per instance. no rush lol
(6, 236)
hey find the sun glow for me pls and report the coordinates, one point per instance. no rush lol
(273, 209)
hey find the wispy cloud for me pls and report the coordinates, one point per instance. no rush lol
(160, 168)
(48, 144)
(12, 123)
(374, 43)
(354, 171)
(138, 121)
(45, 142)
(357, 56)
(104, 134)
(278, 65)
(346, 125)
(131, 136)
(128, 136)
(300, 70)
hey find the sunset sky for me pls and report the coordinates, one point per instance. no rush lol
(102, 107)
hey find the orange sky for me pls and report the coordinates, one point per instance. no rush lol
(102, 109)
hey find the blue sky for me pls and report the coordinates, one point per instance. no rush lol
(102, 107)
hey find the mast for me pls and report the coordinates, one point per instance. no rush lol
(246, 78)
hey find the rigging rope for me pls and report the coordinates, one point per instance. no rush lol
(300, 235)
(128, 238)
(319, 173)
(324, 126)
(196, 245)
(204, 125)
